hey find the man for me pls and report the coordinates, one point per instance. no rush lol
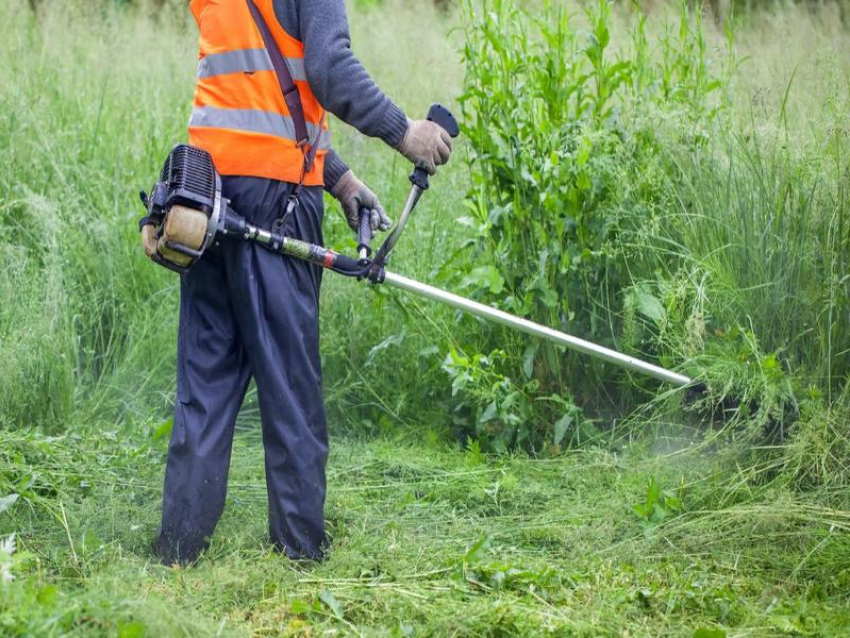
(245, 312)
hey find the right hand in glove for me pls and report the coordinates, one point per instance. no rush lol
(149, 239)
(426, 144)
(354, 195)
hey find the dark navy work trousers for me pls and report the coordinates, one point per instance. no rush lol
(246, 312)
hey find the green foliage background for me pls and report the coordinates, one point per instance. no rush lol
(612, 189)
(653, 183)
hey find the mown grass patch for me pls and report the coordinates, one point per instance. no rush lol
(427, 540)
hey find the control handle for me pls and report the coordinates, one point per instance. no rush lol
(440, 115)
(364, 235)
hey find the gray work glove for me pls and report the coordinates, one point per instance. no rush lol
(353, 195)
(426, 144)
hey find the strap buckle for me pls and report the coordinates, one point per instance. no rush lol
(292, 204)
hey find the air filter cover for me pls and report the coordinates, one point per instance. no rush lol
(190, 177)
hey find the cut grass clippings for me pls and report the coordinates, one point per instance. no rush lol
(427, 540)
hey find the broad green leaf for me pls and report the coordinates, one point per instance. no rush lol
(706, 632)
(477, 550)
(490, 413)
(528, 360)
(331, 602)
(653, 493)
(672, 503)
(561, 427)
(649, 306)
(549, 297)
(485, 277)
(588, 430)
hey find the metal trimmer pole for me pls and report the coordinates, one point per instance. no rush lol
(529, 327)
(374, 270)
(412, 199)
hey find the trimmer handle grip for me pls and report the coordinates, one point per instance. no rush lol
(440, 115)
(364, 233)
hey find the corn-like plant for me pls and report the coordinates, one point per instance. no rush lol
(564, 182)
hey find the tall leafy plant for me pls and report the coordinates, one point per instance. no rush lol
(563, 181)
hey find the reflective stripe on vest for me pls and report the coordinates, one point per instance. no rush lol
(246, 61)
(252, 121)
(239, 113)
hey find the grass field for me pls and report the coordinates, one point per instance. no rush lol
(728, 517)
(429, 540)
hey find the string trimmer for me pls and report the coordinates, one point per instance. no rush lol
(190, 213)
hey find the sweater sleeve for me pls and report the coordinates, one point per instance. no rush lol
(334, 169)
(337, 77)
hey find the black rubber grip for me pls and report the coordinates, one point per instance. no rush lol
(420, 178)
(345, 264)
(364, 231)
(440, 115)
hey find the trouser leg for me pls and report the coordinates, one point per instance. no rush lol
(212, 377)
(276, 302)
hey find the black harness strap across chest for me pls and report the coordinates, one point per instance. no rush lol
(289, 89)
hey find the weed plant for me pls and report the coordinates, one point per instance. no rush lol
(616, 197)
(564, 181)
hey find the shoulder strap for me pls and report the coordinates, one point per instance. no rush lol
(310, 156)
(284, 78)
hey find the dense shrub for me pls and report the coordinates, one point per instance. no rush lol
(566, 181)
(610, 200)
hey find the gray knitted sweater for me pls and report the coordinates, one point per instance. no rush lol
(337, 78)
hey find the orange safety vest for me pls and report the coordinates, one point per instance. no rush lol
(239, 114)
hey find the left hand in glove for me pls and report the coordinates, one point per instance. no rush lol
(354, 195)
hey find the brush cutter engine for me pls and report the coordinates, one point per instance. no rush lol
(186, 208)
(189, 213)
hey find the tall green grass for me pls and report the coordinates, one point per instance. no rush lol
(714, 240)
(81, 126)
(88, 325)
